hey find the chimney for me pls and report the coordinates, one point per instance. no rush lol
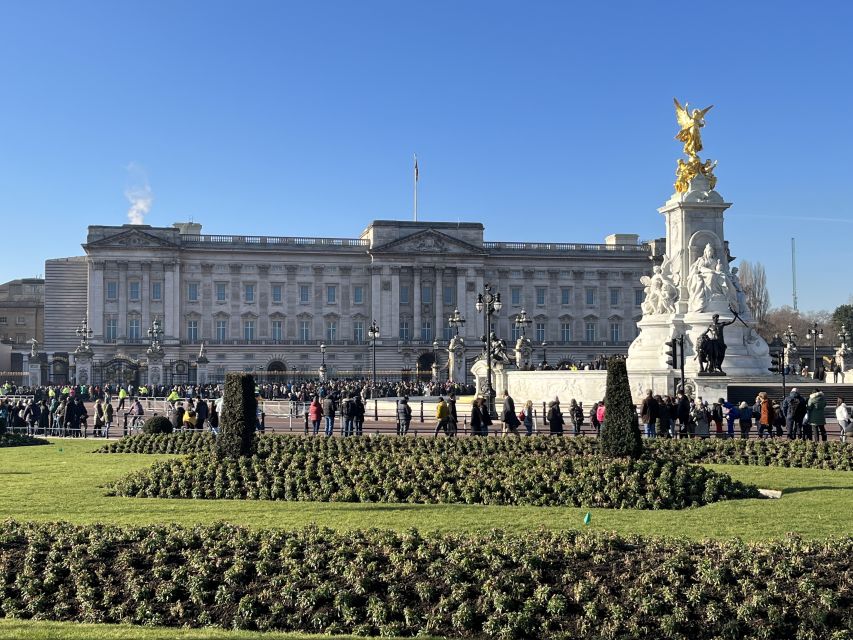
(188, 228)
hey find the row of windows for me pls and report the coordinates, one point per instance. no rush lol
(591, 332)
(590, 296)
(18, 320)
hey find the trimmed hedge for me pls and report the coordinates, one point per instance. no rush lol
(555, 585)
(157, 424)
(237, 421)
(19, 440)
(449, 478)
(770, 452)
(620, 433)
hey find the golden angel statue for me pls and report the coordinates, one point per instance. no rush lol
(690, 124)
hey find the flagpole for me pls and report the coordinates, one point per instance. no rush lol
(416, 187)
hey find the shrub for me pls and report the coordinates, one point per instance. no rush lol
(304, 470)
(19, 440)
(181, 442)
(620, 435)
(157, 424)
(536, 585)
(237, 421)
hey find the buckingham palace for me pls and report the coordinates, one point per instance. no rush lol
(267, 304)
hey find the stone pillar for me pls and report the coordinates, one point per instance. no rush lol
(95, 296)
(145, 295)
(170, 311)
(462, 302)
(201, 368)
(439, 302)
(155, 368)
(83, 366)
(33, 365)
(122, 300)
(416, 302)
(479, 319)
(394, 329)
(456, 360)
(376, 292)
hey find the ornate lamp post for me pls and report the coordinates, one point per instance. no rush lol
(456, 320)
(813, 334)
(323, 361)
(790, 345)
(522, 321)
(544, 355)
(85, 334)
(487, 304)
(154, 334)
(844, 338)
(373, 334)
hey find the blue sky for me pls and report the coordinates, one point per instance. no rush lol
(544, 120)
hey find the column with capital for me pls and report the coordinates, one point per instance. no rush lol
(416, 302)
(462, 301)
(144, 295)
(479, 318)
(122, 299)
(376, 292)
(95, 304)
(394, 329)
(439, 302)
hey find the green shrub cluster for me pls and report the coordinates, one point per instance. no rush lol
(19, 440)
(620, 433)
(293, 469)
(183, 442)
(237, 422)
(555, 585)
(157, 424)
(778, 452)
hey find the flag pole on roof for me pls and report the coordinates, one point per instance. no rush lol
(416, 188)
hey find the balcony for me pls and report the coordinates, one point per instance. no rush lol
(564, 247)
(273, 242)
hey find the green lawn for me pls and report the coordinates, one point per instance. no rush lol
(42, 630)
(64, 482)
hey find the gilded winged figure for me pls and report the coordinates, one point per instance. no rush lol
(690, 124)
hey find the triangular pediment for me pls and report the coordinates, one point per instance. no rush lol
(131, 239)
(429, 241)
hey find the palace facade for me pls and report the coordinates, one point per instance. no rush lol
(266, 304)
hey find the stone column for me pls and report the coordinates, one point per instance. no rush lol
(291, 300)
(375, 292)
(33, 365)
(479, 323)
(201, 368)
(145, 295)
(95, 296)
(155, 368)
(394, 329)
(439, 302)
(416, 302)
(169, 310)
(462, 302)
(122, 299)
(83, 366)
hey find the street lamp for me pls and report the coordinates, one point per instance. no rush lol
(323, 362)
(456, 320)
(522, 321)
(487, 304)
(373, 334)
(844, 337)
(813, 334)
(544, 356)
(790, 336)
(155, 333)
(85, 334)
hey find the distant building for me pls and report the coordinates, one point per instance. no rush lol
(265, 304)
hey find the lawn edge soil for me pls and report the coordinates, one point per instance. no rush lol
(540, 584)
(776, 452)
(296, 470)
(19, 440)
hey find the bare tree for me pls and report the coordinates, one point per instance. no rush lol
(753, 279)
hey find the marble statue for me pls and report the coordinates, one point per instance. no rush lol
(661, 290)
(456, 359)
(34, 347)
(711, 346)
(707, 280)
(523, 353)
(498, 348)
(737, 297)
(202, 352)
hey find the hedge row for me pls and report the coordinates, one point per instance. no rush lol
(555, 585)
(19, 440)
(448, 478)
(770, 452)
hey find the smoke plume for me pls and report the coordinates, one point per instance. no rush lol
(138, 193)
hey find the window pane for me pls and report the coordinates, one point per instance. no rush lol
(331, 331)
(112, 290)
(276, 330)
(540, 331)
(404, 295)
(220, 292)
(304, 294)
(615, 332)
(249, 330)
(515, 333)
(156, 291)
(276, 293)
(250, 294)
(426, 294)
(591, 296)
(449, 295)
(614, 297)
(566, 332)
(565, 296)
(404, 329)
(639, 295)
(221, 329)
(192, 291)
(426, 331)
(540, 296)
(134, 290)
(358, 295)
(591, 331)
(515, 296)
(358, 331)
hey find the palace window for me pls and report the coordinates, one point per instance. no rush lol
(540, 296)
(565, 296)
(304, 293)
(276, 294)
(591, 331)
(331, 330)
(192, 330)
(249, 294)
(192, 292)
(358, 331)
(615, 332)
(248, 330)
(275, 329)
(404, 294)
(112, 330)
(426, 331)
(305, 330)
(221, 330)
(331, 294)
(358, 295)
(426, 294)
(540, 332)
(404, 330)
(221, 292)
(565, 332)
(157, 291)
(112, 290)
(639, 296)
(449, 296)
(515, 296)
(591, 296)
(133, 328)
(615, 297)
(133, 290)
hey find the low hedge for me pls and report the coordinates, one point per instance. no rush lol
(769, 452)
(19, 440)
(156, 425)
(448, 478)
(555, 585)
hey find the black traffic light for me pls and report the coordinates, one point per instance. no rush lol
(671, 349)
(778, 364)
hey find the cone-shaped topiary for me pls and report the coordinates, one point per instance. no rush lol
(620, 435)
(157, 424)
(237, 420)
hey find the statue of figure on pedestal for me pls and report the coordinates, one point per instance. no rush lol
(707, 280)
(523, 352)
(34, 347)
(690, 124)
(711, 346)
(456, 358)
(661, 290)
(498, 347)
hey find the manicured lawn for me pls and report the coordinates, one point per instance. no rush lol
(42, 630)
(64, 482)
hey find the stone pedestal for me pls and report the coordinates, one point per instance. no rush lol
(322, 372)
(155, 368)
(83, 366)
(523, 353)
(499, 377)
(34, 365)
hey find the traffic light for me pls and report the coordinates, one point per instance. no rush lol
(671, 349)
(778, 364)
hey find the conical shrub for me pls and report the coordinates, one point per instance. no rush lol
(237, 420)
(620, 435)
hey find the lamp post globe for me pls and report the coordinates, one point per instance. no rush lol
(489, 303)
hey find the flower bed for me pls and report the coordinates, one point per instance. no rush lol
(555, 585)
(20, 440)
(182, 442)
(301, 469)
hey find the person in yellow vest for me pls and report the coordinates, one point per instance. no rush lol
(122, 396)
(143, 390)
(442, 413)
(174, 396)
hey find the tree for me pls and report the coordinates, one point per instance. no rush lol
(777, 321)
(843, 314)
(237, 420)
(753, 279)
(620, 435)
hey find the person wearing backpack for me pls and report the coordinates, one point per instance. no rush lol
(794, 410)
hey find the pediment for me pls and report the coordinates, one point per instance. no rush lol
(131, 239)
(429, 241)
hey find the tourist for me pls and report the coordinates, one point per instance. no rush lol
(347, 415)
(404, 416)
(576, 416)
(441, 415)
(731, 414)
(480, 418)
(555, 418)
(700, 418)
(717, 417)
(190, 420)
(329, 413)
(452, 416)
(765, 415)
(528, 417)
(778, 420)
(108, 417)
(845, 424)
(682, 414)
(794, 410)
(358, 414)
(593, 418)
(315, 414)
(508, 416)
(649, 413)
(745, 420)
(176, 416)
(99, 418)
(817, 417)
(600, 414)
(213, 418)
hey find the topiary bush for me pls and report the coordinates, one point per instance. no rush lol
(19, 440)
(237, 420)
(157, 424)
(620, 435)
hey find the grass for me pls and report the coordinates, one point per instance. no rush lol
(43, 630)
(64, 482)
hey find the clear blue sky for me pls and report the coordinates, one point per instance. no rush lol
(544, 120)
